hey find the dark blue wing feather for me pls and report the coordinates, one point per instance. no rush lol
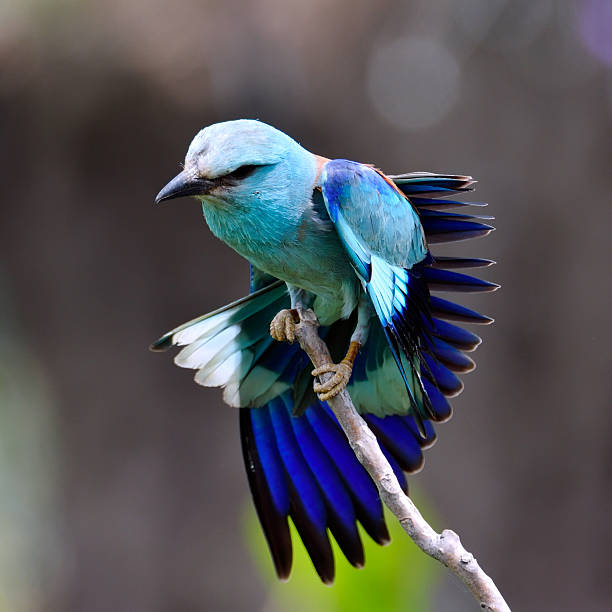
(399, 439)
(441, 408)
(453, 230)
(306, 500)
(446, 380)
(453, 358)
(454, 312)
(448, 263)
(267, 489)
(303, 468)
(454, 335)
(397, 470)
(445, 280)
(426, 204)
(341, 516)
(365, 498)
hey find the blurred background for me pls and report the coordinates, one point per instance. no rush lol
(122, 481)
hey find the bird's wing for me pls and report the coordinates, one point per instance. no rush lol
(374, 385)
(385, 241)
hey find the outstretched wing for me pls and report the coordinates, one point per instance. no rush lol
(385, 241)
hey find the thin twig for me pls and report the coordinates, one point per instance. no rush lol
(446, 546)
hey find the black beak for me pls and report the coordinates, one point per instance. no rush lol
(184, 185)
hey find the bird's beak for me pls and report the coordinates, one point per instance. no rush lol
(184, 185)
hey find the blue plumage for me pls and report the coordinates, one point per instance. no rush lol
(296, 467)
(441, 408)
(322, 467)
(447, 280)
(340, 511)
(267, 450)
(443, 378)
(353, 244)
(451, 357)
(399, 440)
(367, 504)
(454, 335)
(455, 312)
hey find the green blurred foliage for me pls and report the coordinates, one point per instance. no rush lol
(29, 550)
(395, 577)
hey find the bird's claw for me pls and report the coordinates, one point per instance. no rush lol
(282, 327)
(330, 388)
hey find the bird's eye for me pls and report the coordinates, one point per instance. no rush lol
(242, 172)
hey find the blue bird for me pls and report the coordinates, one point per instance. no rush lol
(351, 243)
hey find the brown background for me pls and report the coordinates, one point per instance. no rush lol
(125, 484)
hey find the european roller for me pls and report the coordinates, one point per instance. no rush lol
(353, 244)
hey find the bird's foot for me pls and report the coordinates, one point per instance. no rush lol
(341, 374)
(330, 388)
(282, 327)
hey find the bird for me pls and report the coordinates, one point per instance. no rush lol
(353, 244)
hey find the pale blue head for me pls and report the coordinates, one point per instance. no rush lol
(242, 164)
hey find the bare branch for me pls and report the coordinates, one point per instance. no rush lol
(446, 546)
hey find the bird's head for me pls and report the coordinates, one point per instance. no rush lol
(235, 162)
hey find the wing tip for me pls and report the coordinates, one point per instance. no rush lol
(420, 464)
(162, 344)
(457, 390)
(282, 558)
(475, 285)
(442, 262)
(458, 236)
(443, 419)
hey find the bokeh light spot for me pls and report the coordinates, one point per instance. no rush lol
(595, 28)
(412, 81)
